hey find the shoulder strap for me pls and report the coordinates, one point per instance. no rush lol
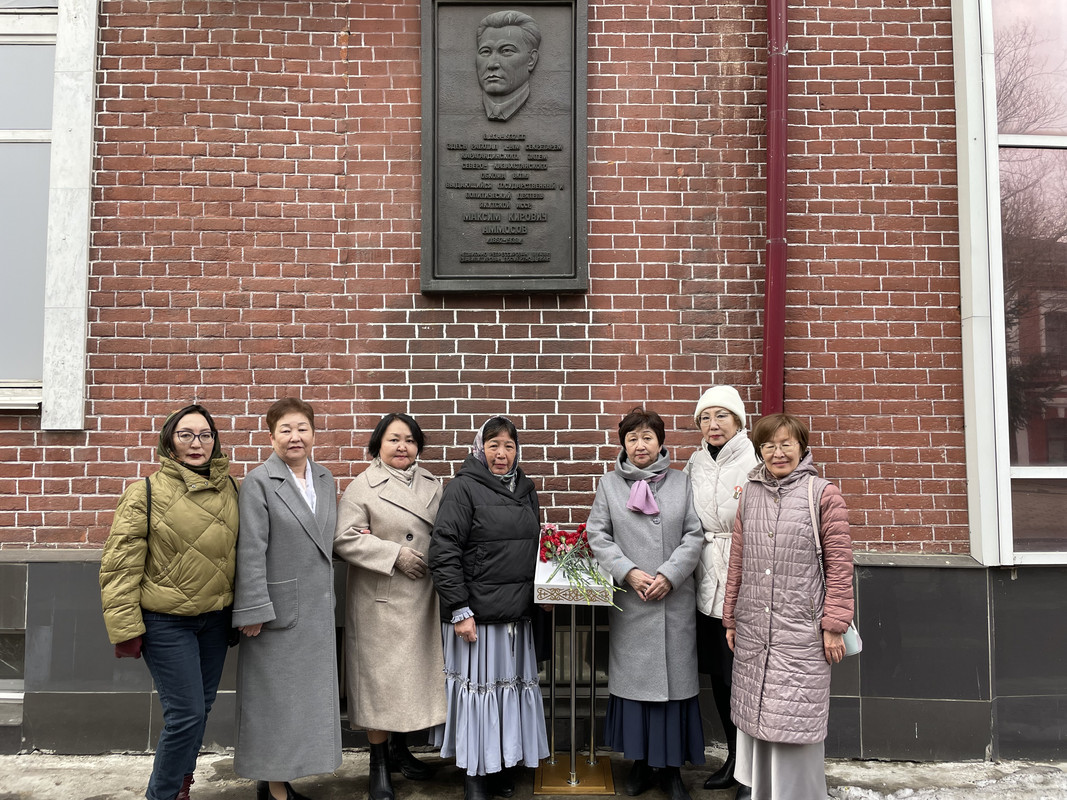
(234, 484)
(815, 530)
(148, 502)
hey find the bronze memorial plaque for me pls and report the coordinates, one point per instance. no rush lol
(503, 147)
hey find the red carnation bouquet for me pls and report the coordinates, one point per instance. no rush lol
(571, 555)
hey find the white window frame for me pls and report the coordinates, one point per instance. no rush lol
(61, 392)
(19, 27)
(989, 469)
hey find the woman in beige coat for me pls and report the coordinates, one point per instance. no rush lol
(395, 665)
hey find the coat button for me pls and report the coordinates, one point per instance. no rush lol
(655, 520)
(409, 537)
(768, 572)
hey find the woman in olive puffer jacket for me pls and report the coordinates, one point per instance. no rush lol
(166, 585)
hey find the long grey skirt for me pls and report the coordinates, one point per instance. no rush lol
(496, 715)
(778, 771)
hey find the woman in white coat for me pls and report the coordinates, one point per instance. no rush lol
(393, 654)
(718, 469)
(288, 717)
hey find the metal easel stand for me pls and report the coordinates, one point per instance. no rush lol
(590, 776)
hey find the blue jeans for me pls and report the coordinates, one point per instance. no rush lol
(185, 656)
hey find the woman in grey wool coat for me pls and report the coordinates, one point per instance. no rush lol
(645, 533)
(288, 716)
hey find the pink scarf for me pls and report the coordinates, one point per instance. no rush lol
(641, 497)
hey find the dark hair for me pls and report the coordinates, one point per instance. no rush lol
(769, 425)
(640, 418)
(374, 446)
(289, 405)
(170, 427)
(493, 427)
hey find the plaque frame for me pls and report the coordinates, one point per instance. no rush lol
(544, 234)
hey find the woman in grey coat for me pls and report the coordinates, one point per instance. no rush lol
(288, 719)
(645, 533)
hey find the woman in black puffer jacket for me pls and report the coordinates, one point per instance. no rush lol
(482, 555)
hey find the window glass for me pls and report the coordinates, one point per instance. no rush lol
(1030, 43)
(26, 103)
(12, 658)
(1033, 186)
(23, 234)
(1037, 514)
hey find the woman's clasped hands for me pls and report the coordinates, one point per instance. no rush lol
(647, 587)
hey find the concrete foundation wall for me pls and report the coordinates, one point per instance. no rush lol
(957, 664)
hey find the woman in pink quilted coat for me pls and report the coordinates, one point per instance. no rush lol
(784, 627)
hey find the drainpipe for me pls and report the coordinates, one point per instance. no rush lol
(774, 285)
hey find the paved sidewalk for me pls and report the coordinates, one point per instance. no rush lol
(39, 776)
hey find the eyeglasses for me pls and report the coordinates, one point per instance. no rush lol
(769, 448)
(185, 437)
(721, 417)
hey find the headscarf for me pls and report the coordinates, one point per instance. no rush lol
(641, 497)
(478, 450)
(165, 449)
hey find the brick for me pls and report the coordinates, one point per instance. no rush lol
(255, 233)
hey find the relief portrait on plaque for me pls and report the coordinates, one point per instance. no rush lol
(504, 140)
(508, 43)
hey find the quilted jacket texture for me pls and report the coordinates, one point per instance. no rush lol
(774, 600)
(717, 484)
(483, 548)
(185, 564)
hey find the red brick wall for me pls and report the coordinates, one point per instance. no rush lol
(257, 229)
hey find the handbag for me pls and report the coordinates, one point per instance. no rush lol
(853, 642)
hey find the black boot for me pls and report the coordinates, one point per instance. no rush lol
(263, 792)
(500, 784)
(674, 787)
(474, 788)
(639, 780)
(743, 792)
(723, 778)
(401, 759)
(381, 785)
